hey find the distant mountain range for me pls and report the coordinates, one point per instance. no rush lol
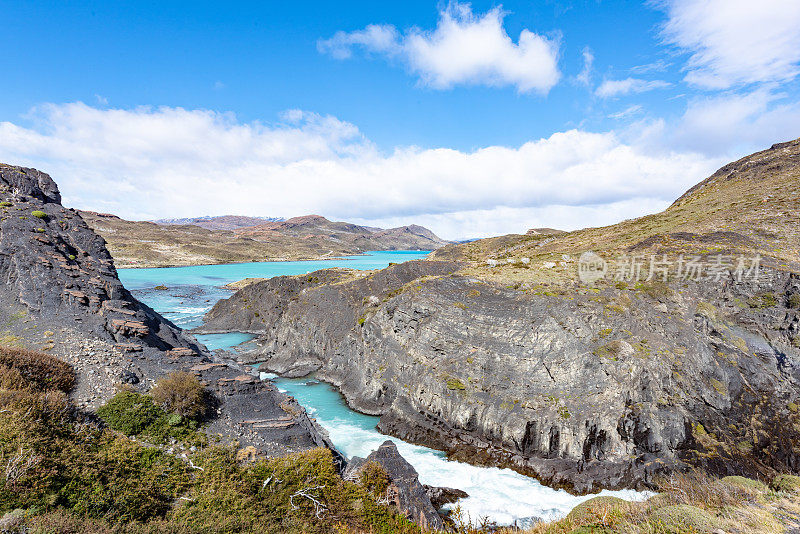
(233, 238)
(220, 222)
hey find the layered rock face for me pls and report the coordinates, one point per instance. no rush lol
(51, 262)
(585, 389)
(60, 287)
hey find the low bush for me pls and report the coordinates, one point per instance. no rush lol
(298, 493)
(131, 413)
(54, 458)
(39, 214)
(181, 393)
(135, 414)
(36, 370)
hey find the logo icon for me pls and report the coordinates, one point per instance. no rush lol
(591, 268)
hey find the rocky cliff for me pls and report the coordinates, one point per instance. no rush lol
(584, 386)
(60, 293)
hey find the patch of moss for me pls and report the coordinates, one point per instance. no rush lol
(764, 300)
(744, 482)
(787, 483)
(706, 310)
(718, 386)
(455, 384)
(683, 518)
(39, 214)
(595, 508)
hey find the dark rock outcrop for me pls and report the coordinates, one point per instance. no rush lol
(585, 389)
(58, 273)
(405, 491)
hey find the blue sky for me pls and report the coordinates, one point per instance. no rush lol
(474, 119)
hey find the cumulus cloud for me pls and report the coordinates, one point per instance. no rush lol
(464, 49)
(150, 163)
(612, 88)
(735, 42)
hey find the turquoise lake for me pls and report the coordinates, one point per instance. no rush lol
(501, 495)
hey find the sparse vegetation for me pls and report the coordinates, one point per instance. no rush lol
(687, 503)
(39, 214)
(764, 300)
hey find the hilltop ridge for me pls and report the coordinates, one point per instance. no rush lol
(234, 239)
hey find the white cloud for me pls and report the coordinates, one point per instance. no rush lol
(170, 162)
(611, 88)
(379, 38)
(716, 124)
(585, 76)
(464, 49)
(734, 42)
(627, 112)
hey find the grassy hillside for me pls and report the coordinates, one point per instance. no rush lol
(749, 206)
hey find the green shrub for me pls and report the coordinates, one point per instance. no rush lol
(39, 230)
(135, 414)
(181, 393)
(5, 204)
(374, 479)
(131, 413)
(39, 214)
(277, 494)
(125, 482)
(794, 301)
(37, 370)
(69, 463)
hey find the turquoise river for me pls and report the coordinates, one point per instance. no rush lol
(501, 495)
